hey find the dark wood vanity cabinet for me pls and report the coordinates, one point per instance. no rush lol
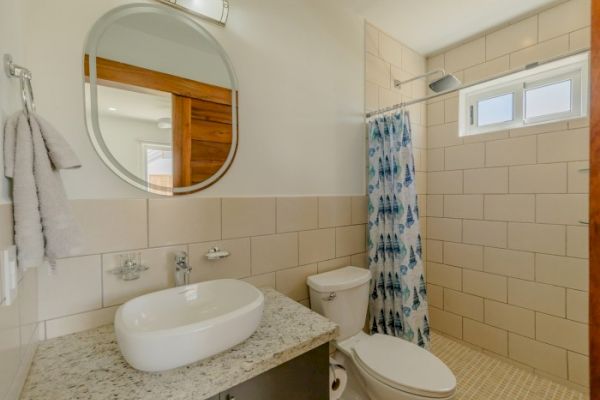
(305, 377)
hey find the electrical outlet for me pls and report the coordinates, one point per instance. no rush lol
(10, 275)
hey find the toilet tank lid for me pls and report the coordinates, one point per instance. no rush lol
(339, 279)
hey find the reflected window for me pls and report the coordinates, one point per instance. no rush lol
(158, 165)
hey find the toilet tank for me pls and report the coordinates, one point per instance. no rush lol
(343, 297)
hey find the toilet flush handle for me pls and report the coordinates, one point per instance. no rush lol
(331, 297)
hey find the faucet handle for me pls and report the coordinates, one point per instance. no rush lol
(181, 257)
(182, 269)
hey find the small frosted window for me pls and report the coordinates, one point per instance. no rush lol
(550, 92)
(548, 100)
(495, 110)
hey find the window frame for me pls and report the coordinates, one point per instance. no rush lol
(486, 94)
(574, 77)
(574, 69)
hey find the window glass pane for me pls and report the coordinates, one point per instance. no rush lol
(495, 110)
(547, 100)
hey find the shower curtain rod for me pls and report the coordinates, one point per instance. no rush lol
(433, 96)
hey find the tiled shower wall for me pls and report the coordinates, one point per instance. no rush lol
(508, 255)
(386, 60)
(274, 242)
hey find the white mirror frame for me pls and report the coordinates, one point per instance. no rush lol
(93, 125)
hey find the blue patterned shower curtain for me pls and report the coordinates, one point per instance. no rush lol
(398, 305)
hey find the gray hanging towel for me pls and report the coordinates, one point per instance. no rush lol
(34, 152)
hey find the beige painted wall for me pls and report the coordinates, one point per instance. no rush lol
(300, 71)
(507, 257)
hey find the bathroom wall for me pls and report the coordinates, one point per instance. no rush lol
(300, 67)
(508, 257)
(18, 320)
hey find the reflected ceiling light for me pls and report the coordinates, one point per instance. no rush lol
(215, 11)
(164, 123)
(112, 109)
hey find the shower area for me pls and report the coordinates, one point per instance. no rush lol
(502, 182)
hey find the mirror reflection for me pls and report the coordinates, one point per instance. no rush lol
(160, 101)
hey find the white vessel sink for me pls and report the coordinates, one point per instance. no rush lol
(179, 326)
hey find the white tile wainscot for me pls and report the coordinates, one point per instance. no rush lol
(274, 242)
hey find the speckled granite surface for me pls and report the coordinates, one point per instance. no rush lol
(88, 365)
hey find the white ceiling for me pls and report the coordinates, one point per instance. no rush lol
(431, 25)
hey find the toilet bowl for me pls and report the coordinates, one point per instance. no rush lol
(380, 367)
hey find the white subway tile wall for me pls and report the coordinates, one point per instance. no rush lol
(507, 250)
(83, 293)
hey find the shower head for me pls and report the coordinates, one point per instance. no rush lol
(445, 83)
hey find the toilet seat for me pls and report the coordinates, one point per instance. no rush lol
(404, 366)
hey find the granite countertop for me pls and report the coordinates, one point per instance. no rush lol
(89, 365)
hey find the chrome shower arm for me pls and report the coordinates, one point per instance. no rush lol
(398, 83)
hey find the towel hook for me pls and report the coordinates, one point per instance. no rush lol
(24, 75)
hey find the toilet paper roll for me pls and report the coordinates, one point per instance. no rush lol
(338, 379)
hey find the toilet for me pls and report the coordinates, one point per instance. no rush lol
(379, 367)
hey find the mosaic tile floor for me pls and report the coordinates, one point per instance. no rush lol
(482, 377)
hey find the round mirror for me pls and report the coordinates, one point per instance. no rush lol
(161, 99)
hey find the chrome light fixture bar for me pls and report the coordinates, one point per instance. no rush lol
(215, 11)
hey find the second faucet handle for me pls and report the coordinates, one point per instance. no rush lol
(181, 259)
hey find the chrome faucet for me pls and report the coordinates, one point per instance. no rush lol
(182, 269)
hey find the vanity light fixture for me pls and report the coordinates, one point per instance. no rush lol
(215, 11)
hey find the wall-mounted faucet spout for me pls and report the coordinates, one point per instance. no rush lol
(182, 269)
